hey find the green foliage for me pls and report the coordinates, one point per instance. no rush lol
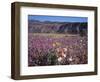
(83, 32)
(52, 58)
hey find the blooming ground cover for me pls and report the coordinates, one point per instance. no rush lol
(56, 49)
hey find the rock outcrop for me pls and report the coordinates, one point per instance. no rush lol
(57, 27)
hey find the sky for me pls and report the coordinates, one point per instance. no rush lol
(57, 18)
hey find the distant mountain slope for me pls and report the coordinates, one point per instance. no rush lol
(35, 26)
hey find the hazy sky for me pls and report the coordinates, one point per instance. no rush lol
(57, 18)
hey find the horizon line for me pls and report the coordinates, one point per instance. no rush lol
(43, 18)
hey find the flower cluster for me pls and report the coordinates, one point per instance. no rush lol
(44, 50)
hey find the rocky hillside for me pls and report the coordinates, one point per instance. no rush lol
(57, 27)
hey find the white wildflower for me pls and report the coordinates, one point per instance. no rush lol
(65, 49)
(70, 59)
(60, 59)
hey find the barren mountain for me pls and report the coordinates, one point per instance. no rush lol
(35, 26)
